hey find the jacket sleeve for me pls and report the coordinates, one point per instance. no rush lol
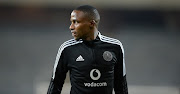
(120, 82)
(59, 74)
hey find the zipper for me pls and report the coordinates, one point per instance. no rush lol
(94, 61)
(93, 57)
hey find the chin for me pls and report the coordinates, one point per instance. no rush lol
(76, 38)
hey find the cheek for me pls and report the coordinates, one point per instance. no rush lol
(82, 28)
(78, 27)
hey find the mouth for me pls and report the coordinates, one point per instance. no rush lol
(73, 33)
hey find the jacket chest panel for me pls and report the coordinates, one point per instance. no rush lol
(85, 58)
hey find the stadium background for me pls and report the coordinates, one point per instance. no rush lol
(31, 32)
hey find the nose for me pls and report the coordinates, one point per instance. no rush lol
(71, 27)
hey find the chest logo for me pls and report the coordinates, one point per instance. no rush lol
(80, 58)
(107, 56)
(95, 74)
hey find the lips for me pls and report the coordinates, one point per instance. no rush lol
(73, 33)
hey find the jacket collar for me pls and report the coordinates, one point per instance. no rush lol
(98, 37)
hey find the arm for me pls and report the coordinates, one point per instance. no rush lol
(120, 83)
(124, 85)
(59, 75)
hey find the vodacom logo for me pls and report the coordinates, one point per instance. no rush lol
(95, 74)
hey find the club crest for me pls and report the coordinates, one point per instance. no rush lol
(107, 56)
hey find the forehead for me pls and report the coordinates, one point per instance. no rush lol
(76, 14)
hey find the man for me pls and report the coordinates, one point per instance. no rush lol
(96, 62)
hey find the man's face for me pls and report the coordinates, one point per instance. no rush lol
(80, 25)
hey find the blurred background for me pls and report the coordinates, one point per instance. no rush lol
(31, 32)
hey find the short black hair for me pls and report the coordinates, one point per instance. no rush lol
(91, 12)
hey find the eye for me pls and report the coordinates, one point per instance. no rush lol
(75, 21)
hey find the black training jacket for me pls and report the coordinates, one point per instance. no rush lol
(96, 67)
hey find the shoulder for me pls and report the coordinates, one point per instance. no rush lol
(68, 43)
(65, 45)
(112, 41)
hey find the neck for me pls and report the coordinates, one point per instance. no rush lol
(93, 35)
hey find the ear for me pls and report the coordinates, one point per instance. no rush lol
(92, 23)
